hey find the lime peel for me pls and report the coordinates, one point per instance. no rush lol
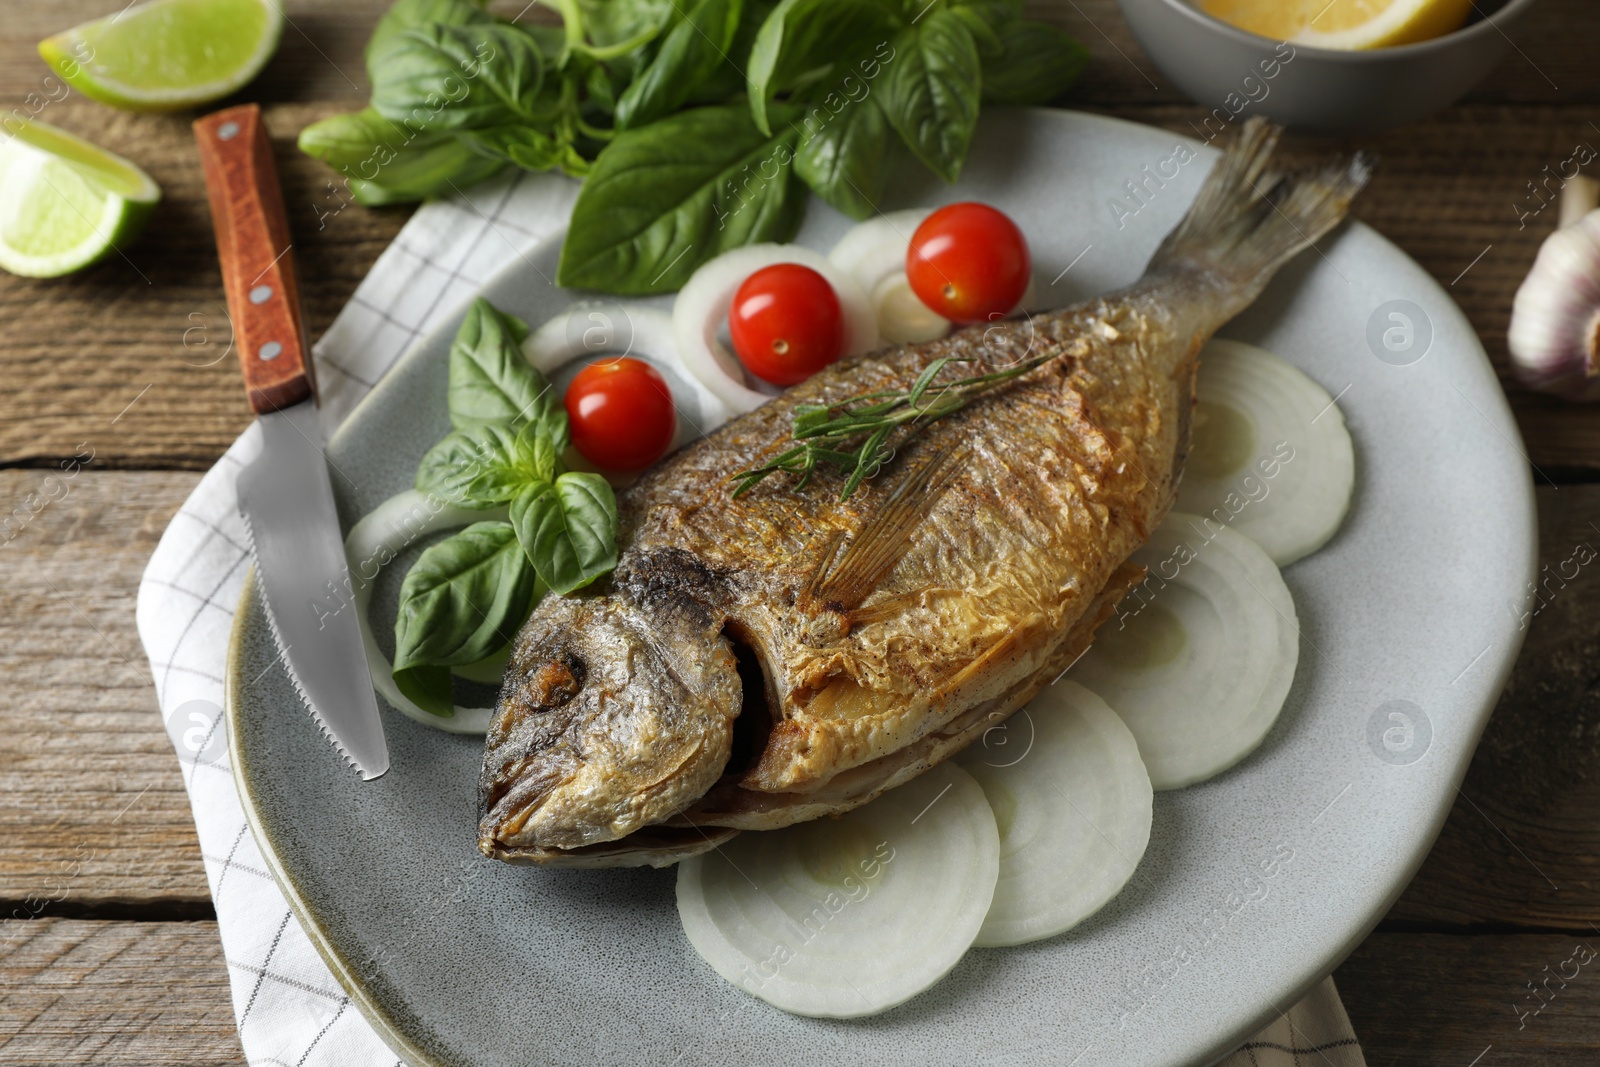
(167, 54)
(65, 203)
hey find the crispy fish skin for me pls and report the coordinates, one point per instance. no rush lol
(729, 805)
(893, 628)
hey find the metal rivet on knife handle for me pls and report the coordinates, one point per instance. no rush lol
(253, 244)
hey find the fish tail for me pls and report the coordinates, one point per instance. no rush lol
(1250, 218)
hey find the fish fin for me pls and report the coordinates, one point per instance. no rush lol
(732, 805)
(888, 607)
(848, 576)
(1249, 219)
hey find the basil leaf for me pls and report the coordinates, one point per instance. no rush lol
(601, 85)
(528, 148)
(490, 379)
(428, 688)
(931, 91)
(388, 163)
(998, 12)
(451, 469)
(994, 12)
(845, 158)
(524, 146)
(984, 20)
(728, 80)
(691, 52)
(530, 458)
(371, 194)
(446, 169)
(724, 83)
(415, 14)
(553, 424)
(663, 199)
(539, 451)
(489, 465)
(611, 22)
(349, 141)
(447, 77)
(802, 39)
(551, 41)
(1039, 63)
(463, 599)
(568, 529)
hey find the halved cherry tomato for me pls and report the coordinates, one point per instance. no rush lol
(621, 414)
(786, 323)
(968, 262)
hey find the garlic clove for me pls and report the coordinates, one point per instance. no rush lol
(1555, 318)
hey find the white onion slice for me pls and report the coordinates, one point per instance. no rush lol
(876, 248)
(903, 318)
(847, 917)
(1073, 805)
(1271, 456)
(703, 303)
(373, 542)
(589, 330)
(874, 252)
(1199, 657)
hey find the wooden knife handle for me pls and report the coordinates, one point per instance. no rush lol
(257, 266)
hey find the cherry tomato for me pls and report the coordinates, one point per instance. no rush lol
(786, 323)
(968, 262)
(621, 414)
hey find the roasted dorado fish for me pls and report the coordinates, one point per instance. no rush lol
(766, 659)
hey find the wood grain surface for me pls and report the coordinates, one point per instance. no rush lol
(92, 804)
(135, 993)
(1489, 1000)
(129, 363)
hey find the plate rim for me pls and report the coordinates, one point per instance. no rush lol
(374, 1010)
(370, 1006)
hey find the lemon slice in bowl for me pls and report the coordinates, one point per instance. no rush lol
(167, 54)
(65, 203)
(1349, 25)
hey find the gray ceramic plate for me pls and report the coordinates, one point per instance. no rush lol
(1255, 884)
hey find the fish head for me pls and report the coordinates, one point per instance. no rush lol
(616, 713)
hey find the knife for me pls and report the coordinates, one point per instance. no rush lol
(285, 495)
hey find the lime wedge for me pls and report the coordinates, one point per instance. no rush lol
(167, 54)
(65, 203)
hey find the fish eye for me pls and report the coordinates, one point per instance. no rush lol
(555, 683)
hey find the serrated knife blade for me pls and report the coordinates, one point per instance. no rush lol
(285, 493)
(286, 497)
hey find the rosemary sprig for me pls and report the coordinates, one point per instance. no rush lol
(853, 435)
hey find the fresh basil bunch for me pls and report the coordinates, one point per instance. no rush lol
(466, 596)
(699, 124)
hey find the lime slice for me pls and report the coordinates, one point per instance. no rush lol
(64, 202)
(167, 54)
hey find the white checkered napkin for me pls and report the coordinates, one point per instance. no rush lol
(290, 1009)
(1314, 1033)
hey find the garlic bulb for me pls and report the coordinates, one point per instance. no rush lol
(1555, 319)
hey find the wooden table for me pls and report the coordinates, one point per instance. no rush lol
(122, 963)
